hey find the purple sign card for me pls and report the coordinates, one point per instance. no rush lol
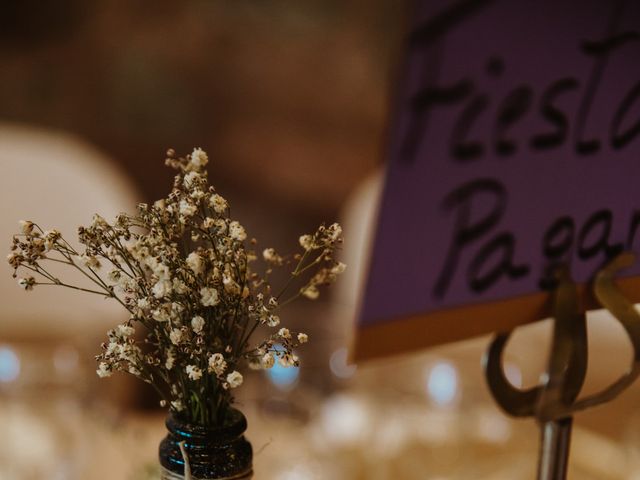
(514, 147)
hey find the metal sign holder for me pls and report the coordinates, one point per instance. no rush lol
(554, 402)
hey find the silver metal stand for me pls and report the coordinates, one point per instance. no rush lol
(554, 402)
(554, 448)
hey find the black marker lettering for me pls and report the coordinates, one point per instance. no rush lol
(557, 246)
(602, 221)
(461, 148)
(512, 109)
(600, 50)
(633, 228)
(555, 116)
(619, 140)
(421, 106)
(558, 239)
(466, 229)
(427, 37)
(504, 246)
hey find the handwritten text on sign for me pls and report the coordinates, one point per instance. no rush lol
(515, 146)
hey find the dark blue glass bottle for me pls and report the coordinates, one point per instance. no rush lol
(220, 453)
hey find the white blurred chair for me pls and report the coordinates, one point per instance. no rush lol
(58, 181)
(48, 336)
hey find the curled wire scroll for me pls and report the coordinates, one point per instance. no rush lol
(557, 396)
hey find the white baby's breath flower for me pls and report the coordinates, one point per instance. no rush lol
(187, 209)
(338, 268)
(161, 289)
(334, 231)
(303, 338)
(288, 360)
(160, 270)
(268, 360)
(234, 379)
(179, 286)
(112, 348)
(125, 330)
(236, 231)
(269, 254)
(197, 323)
(171, 359)
(143, 304)
(217, 364)
(221, 225)
(306, 242)
(51, 237)
(273, 320)
(99, 222)
(230, 285)
(26, 226)
(193, 372)
(310, 291)
(177, 405)
(160, 204)
(103, 370)
(176, 309)
(209, 297)
(189, 178)
(198, 158)
(197, 194)
(195, 263)
(126, 283)
(218, 203)
(284, 333)
(89, 261)
(128, 352)
(14, 259)
(176, 336)
(27, 283)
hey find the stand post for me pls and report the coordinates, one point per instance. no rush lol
(554, 402)
(554, 449)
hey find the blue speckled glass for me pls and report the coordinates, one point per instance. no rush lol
(214, 453)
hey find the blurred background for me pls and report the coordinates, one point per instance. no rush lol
(290, 101)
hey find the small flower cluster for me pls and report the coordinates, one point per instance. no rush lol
(194, 290)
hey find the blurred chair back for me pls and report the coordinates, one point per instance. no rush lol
(58, 181)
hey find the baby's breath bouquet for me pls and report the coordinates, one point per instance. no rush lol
(195, 288)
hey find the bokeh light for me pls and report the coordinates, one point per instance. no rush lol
(442, 384)
(9, 365)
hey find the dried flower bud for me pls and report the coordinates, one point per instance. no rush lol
(311, 292)
(27, 283)
(234, 379)
(26, 226)
(197, 323)
(284, 333)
